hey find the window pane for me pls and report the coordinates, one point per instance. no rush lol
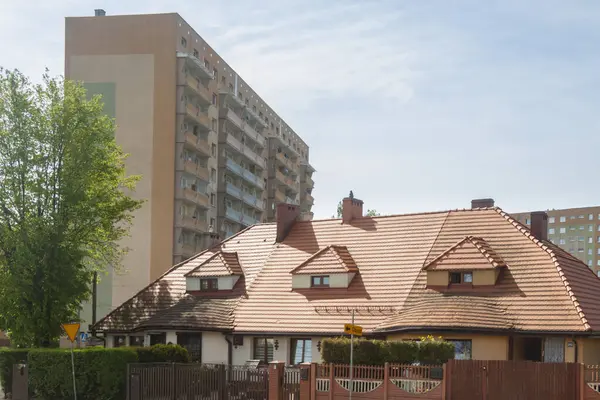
(298, 351)
(468, 277)
(137, 341)
(462, 349)
(455, 277)
(326, 280)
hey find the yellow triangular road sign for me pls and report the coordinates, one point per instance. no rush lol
(71, 330)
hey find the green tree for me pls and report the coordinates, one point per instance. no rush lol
(372, 213)
(64, 203)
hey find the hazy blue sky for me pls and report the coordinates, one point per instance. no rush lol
(414, 105)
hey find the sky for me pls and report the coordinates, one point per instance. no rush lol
(412, 105)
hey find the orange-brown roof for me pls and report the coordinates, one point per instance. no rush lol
(222, 263)
(541, 288)
(329, 260)
(469, 253)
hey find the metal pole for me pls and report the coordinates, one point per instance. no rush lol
(351, 357)
(73, 368)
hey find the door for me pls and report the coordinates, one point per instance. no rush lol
(554, 350)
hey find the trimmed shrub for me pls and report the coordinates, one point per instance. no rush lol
(377, 352)
(162, 353)
(99, 373)
(8, 357)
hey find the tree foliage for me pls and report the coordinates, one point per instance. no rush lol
(64, 203)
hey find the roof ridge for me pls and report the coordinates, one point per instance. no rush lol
(527, 233)
(168, 271)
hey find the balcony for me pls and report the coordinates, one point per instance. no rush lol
(291, 200)
(200, 199)
(196, 65)
(197, 143)
(201, 171)
(247, 220)
(308, 181)
(257, 137)
(233, 190)
(231, 98)
(191, 223)
(199, 90)
(279, 196)
(286, 161)
(233, 215)
(252, 201)
(231, 116)
(287, 181)
(244, 173)
(188, 250)
(199, 116)
(255, 117)
(309, 198)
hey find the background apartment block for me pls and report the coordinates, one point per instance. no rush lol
(213, 156)
(576, 230)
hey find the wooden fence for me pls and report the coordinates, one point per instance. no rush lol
(196, 381)
(393, 382)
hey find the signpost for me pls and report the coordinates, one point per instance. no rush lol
(352, 330)
(71, 331)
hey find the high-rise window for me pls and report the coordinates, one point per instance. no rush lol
(212, 199)
(551, 231)
(551, 220)
(213, 150)
(591, 217)
(562, 230)
(590, 240)
(561, 241)
(183, 42)
(589, 263)
(196, 54)
(590, 252)
(563, 219)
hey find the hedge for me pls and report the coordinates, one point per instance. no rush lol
(100, 373)
(377, 352)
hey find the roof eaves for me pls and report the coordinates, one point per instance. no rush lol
(527, 233)
(173, 268)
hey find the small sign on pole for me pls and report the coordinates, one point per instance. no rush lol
(71, 331)
(351, 329)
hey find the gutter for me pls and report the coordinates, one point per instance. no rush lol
(229, 349)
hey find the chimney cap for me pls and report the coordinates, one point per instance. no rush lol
(482, 203)
(99, 12)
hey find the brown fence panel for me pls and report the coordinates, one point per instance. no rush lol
(196, 381)
(291, 383)
(514, 380)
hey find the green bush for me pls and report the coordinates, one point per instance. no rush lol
(377, 352)
(8, 357)
(162, 353)
(99, 373)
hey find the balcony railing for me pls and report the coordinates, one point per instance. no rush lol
(308, 181)
(199, 115)
(287, 181)
(254, 115)
(188, 250)
(200, 171)
(279, 196)
(309, 198)
(195, 224)
(233, 190)
(198, 143)
(200, 90)
(257, 137)
(233, 215)
(200, 199)
(247, 220)
(232, 117)
(244, 173)
(291, 200)
(286, 161)
(252, 201)
(197, 65)
(245, 150)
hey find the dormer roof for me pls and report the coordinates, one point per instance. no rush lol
(470, 253)
(219, 264)
(333, 259)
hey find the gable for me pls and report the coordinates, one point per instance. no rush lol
(471, 253)
(332, 259)
(220, 264)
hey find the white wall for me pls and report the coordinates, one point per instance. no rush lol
(242, 353)
(214, 348)
(283, 353)
(171, 337)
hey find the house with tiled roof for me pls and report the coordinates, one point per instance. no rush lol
(497, 289)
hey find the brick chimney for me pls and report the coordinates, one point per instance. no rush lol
(482, 203)
(539, 225)
(286, 215)
(351, 209)
(213, 239)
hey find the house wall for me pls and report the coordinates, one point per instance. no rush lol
(590, 351)
(484, 277)
(283, 352)
(483, 347)
(302, 281)
(437, 278)
(214, 348)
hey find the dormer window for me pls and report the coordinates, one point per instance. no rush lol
(219, 272)
(209, 284)
(330, 267)
(469, 263)
(319, 281)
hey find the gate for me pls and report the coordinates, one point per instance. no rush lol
(161, 381)
(291, 383)
(515, 380)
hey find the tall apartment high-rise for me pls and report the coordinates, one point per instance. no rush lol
(213, 157)
(576, 230)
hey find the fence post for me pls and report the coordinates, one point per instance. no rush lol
(444, 382)
(386, 380)
(331, 380)
(305, 381)
(173, 382)
(448, 379)
(222, 382)
(581, 381)
(276, 371)
(313, 381)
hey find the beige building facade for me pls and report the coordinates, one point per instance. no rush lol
(213, 157)
(576, 230)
